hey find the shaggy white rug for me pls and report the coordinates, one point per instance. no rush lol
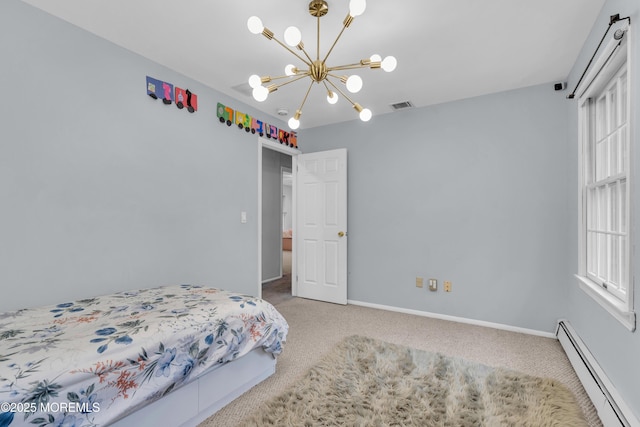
(366, 382)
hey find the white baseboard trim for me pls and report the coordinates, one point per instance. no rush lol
(455, 319)
(272, 279)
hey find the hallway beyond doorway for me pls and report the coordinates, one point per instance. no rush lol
(279, 290)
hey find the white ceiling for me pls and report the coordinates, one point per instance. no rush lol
(446, 49)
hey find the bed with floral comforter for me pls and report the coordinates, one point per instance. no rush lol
(89, 362)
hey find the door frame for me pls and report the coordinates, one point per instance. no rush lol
(284, 169)
(264, 143)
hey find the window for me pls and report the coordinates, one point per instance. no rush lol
(605, 136)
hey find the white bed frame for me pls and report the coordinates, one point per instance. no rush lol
(196, 401)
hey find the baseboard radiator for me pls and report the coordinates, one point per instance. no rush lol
(611, 409)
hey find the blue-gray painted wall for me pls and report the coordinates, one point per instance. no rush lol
(473, 192)
(101, 187)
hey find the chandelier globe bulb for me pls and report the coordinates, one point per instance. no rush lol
(332, 97)
(255, 81)
(365, 115)
(375, 58)
(292, 36)
(289, 70)
(255, 25)
(354, 83)
(357, 7)
(260, 93)
(389, 64)
(294, 123)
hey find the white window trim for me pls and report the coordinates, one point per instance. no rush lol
(614, 306)
(620, 310)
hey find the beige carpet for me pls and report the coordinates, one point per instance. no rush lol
(279, 290)
(316, 327)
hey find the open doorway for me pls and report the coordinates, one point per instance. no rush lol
(319, 201)
(277, 226)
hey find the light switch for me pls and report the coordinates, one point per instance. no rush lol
(243, 217)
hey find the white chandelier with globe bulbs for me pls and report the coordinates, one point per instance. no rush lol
(317, 70)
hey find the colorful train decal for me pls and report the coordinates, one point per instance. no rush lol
(185, 98)
(157, 89)
(169, 94)
(229, 116)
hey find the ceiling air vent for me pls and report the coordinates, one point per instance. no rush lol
(401, 105)
(243, 88)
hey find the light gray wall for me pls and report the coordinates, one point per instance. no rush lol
(272, 163)
(472, 191)
(616, 349)
(101, 187)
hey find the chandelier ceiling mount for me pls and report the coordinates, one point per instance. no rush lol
(318, 8)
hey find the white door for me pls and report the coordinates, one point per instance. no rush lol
(321, 231)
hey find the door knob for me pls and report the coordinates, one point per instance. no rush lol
(341, 233)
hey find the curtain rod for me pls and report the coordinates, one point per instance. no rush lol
(612, 20)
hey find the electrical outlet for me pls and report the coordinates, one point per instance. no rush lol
(433, 285)
(447, 286)
(419, 282)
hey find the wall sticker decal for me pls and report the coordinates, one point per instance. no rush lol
(229, 116)
(157, 89)
(185, 98)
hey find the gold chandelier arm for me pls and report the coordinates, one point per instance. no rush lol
(355, 105)
(341, 92)
(267, 79)
(341, 78)
(299, 111)
(358, 65)
(301, 47)
(347, 21)
(293, 79)
(346, 67)
(318, 41)
(294, 53)
(334, 45)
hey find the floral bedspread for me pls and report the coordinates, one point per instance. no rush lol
(89, 362)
